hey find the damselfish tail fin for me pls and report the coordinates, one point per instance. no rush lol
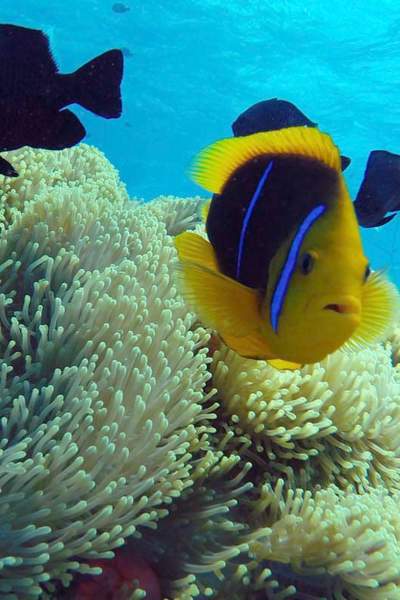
(6, 168)
(97, 84)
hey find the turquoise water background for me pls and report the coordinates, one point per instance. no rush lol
(196, 64)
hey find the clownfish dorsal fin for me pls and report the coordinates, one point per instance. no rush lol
(217, 163)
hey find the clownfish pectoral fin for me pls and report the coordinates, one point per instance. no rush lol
(380, 310)
(193, 248)
(252, 345)
(205, 210)
(220, 302)
(282, 365)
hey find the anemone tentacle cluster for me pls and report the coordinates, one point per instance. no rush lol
(103, 370)
(125, 421)
(339, 420)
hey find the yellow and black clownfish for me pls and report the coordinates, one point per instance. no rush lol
(283, 276)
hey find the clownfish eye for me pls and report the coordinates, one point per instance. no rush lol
(367, 272)
(306, 263)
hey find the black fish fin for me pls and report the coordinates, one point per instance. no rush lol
(97, 84)
(273, 114)
(384, 220)
(345, 162)
(56, 130)
(26, 51)
(379, 192)
(270, 115)
(7, 169)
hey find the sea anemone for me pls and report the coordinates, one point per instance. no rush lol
(349, 540)
(336, 422)
(102, 381)
(138, 452)
(178, 214)
(120, 577)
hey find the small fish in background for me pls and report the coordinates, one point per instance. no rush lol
(119, 7)
(270, 115)
(283, 276)
(379, 192)
(273, 114)
(34, 93)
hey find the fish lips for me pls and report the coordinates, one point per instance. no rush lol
(344, 306)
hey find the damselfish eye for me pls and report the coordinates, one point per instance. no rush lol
(306, 263)
(367, 272)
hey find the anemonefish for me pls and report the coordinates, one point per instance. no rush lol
(378, 199)
(282, 276)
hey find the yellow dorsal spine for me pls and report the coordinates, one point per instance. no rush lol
(217, 162)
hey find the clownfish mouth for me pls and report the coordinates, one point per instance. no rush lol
(347, 309)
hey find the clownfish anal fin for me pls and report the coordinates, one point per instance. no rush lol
(253, 345)
(280, 364)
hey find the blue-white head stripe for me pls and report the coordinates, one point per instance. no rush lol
(282, 284)
(248, 214)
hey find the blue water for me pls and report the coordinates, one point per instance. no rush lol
(197, 64)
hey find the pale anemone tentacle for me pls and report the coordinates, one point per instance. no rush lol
(178, 214)
(111, 428)
(339, 419)
(102, 371)
(83, 167)
(349, 539)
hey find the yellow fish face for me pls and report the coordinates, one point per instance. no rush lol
(323, 305)
(332, 300)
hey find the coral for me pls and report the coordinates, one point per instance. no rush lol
(324, 446)
(102, 380)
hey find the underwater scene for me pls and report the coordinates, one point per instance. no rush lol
(199, 300)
